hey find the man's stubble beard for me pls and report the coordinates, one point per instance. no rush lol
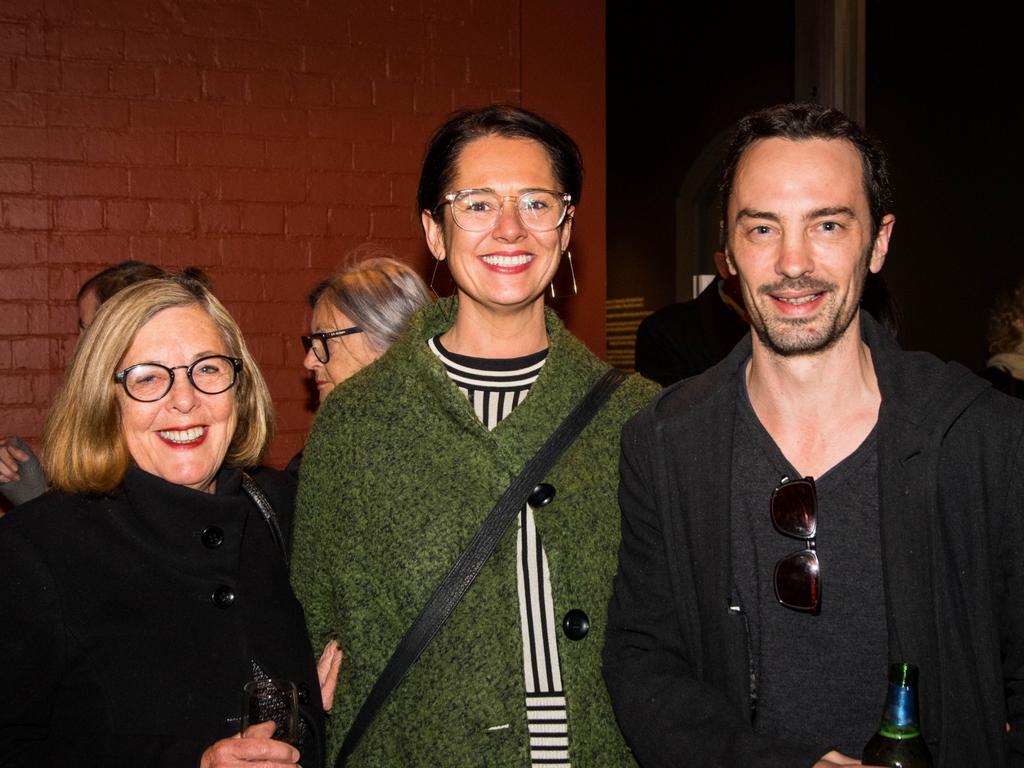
(778, 335)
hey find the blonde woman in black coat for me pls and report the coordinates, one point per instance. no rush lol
(141, 594)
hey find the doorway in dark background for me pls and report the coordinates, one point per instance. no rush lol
(939, 92)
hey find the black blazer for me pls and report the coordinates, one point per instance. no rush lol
(129, 623)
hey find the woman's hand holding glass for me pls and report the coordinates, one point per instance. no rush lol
(272, 700)
(270, 728)
(253, 745)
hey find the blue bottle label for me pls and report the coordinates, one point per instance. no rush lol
(900, 716)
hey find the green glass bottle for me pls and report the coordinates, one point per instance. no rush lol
(898, 742)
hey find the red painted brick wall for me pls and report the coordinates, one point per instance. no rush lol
(257, 139)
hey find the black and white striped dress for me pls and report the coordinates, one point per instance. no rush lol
(495, 388)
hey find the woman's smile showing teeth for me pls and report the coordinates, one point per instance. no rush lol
(190, 436)
(505, 254)
(496, 260)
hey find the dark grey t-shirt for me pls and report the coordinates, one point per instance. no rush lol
(821, 678)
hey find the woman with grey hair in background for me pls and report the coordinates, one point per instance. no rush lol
(357, 315)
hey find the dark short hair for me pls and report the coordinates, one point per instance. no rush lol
(109, 281)
(800, 122)
(118, 277)
(511, 122)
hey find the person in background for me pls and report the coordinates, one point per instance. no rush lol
(357, 315)
(820, 504)
(101, 286)
(21, 475)
(684, 339)
(142, 592)
(407, 458)
(1005, 367)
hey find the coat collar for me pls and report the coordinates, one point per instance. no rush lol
(918, 390)
(567, 375)
(170, 519)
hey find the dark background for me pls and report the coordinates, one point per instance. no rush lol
(940, 93)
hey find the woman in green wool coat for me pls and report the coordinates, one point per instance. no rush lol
(409, 456)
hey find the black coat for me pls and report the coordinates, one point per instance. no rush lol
(682, 340)
(679, 668)
(114, 650)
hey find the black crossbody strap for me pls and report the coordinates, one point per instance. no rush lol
(473, 557)
(259, 498)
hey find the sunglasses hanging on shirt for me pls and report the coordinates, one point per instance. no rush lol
(794, 510)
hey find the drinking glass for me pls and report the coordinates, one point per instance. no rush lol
(272, 699)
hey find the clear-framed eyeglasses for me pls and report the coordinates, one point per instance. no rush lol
(318, 342)
(478, 210)
(149, 382)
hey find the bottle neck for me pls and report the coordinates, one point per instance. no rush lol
(899, 718)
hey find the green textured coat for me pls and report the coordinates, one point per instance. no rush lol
(398, 474)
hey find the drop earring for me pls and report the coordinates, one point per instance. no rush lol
(563, 284)
(441, 282)
(445, 282)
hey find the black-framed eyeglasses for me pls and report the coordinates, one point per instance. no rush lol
(794, 510)
(149, 382)
(478, 210)
(318, 342)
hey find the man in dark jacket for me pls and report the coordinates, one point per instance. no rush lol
(853, 504)
(684, 339)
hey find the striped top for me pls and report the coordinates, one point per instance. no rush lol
(495, 388)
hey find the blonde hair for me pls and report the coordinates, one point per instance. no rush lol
(83, 448)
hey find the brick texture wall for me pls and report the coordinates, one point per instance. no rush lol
(260, 140)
